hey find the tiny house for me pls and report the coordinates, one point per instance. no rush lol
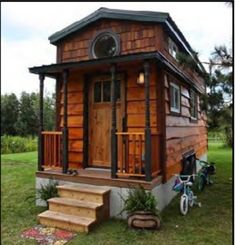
(126, 112)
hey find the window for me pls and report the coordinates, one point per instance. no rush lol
(175, 97)
(105, 44)
(102, 91)
(193, 104)
(173, 49)
(97, 92)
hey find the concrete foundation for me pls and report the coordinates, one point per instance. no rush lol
(163, 193)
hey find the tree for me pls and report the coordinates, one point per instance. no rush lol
(28, 119)
(9, 114)
(28, 122)
(220, 94)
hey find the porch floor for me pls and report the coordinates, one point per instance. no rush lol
(100, 177)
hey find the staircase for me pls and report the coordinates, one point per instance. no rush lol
(77, 208)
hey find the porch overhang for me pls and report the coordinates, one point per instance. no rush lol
(54, 70)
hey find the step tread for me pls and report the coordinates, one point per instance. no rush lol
(92, 190)
(74, 202)
(67, 218)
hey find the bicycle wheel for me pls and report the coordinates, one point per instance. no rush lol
(184, 204)
(201, 182)
(190, 199)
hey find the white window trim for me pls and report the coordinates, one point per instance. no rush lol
(171, 45)
(174, 109)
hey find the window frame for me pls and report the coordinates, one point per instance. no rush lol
(102, 82)
(173, 110)
(98, 35)
(171, 46)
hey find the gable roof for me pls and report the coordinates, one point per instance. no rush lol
(105, 13)
(142, 16)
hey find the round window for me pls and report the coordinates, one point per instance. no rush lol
(105, 45)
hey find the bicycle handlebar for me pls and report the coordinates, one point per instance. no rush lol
(186, 176)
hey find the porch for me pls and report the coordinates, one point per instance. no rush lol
(136, 156)
(130, 161)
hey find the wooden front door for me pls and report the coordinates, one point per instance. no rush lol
(100, 118)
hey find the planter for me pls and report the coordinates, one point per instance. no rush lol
(144, 220)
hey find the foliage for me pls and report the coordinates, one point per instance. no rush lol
(220, 86)
(140, 200)
(14, 144)
(47, 191)
(21, 116)
(9, 114)
(190, 62)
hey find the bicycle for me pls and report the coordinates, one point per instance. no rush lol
(204, 174)
(187, 199)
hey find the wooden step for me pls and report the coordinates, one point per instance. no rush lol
(74, 207)
(66, 221)
(89, 194)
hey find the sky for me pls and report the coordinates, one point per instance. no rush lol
(25, 28)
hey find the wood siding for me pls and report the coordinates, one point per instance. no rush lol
(182, 133)
(135, 109)
(134, 38)
(75, 119)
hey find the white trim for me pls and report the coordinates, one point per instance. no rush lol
(177, 87)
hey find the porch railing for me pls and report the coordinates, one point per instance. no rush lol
(131, 154)
(52, 148)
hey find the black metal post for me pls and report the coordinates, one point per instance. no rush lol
(148, 167)
(114, 124)
(40, 138)
(65, 126)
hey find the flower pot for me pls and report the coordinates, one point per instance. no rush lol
(143, 220)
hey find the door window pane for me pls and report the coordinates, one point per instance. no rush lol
(97, 92)
(106, 91)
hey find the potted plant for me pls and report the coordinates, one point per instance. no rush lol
(141, 209)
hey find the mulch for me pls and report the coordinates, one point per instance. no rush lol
(48, 236)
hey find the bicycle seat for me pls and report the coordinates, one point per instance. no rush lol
(189, 183)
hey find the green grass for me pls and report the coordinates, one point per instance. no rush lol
(26, 157)
(211, 224)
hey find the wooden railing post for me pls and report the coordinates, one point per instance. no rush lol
(65, 126)
(114, 125)
(40, 137)
(148, 167)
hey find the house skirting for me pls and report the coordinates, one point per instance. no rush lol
(163, 193)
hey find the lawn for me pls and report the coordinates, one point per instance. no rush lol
(210, 224)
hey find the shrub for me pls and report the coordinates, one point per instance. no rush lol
(47, 191)
(15, 144)
(140, 200)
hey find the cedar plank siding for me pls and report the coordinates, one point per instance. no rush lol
(182, 134)
(75, 119)
(135, 109)
(134, 37)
